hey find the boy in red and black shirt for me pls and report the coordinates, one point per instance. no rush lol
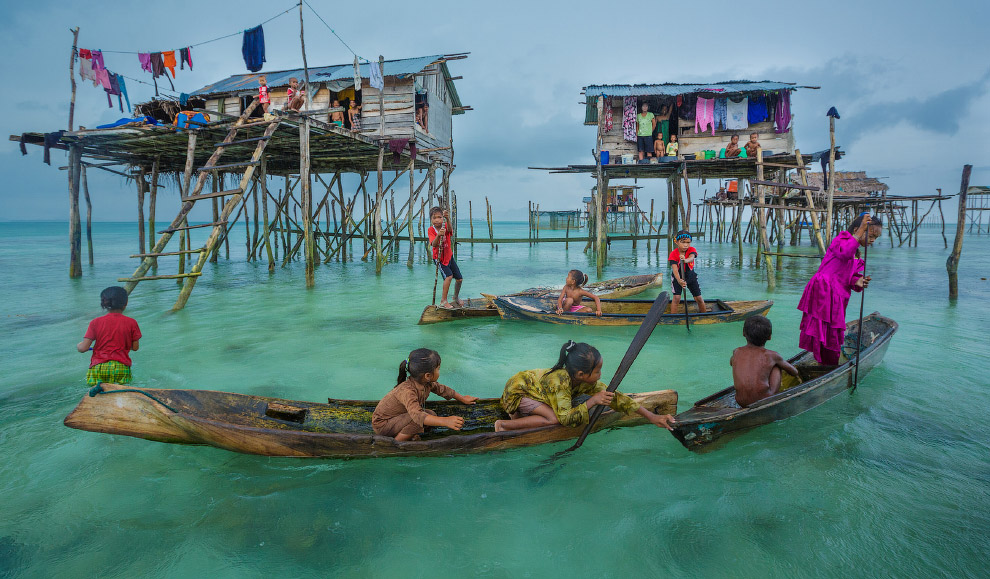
(684, 254)
(443, 253)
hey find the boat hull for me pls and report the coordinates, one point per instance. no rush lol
(484, 307)
(625, 312)
(718, 416)
(339, 429)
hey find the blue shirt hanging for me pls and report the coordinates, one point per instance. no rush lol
(253, 48)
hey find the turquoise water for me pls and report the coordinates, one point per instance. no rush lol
(891, 481)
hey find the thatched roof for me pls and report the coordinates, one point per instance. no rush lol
(847, 183)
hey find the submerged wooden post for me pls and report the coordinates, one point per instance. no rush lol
(75, 233)
(952, 263)
(740, 190)
(89, 211)
(764, 242)
(306, 200)
(141, 184)
(152, 203)
(471, 221)
(410, 211)
(377, 219)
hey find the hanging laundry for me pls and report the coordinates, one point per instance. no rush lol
(607, 115)
(737, 114)
(114, 90)
(98, 60)
(85, 53)
(704, 115)
(168, 60)
(86, 68)
(719, 113)
(782, 112)
(629, 118)
(357, 74)
(158, 69)
(123, 91)
(396, 146)
(757, 109)
(185, 56)
(376, 76)
(145, 59)
(253, 48)
(52, 140)
(103, 77)
(183, 99)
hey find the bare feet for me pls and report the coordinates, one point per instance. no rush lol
(459, 302)
(446, 305)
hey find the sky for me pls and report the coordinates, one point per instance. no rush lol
(910, 79)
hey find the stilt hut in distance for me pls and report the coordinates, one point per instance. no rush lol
(419, 97)
(703, 116)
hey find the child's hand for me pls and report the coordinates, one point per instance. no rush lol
(604, 398)
(598, 312)
(663, 421)
(453, 422)
(863, 282)
(465, 399)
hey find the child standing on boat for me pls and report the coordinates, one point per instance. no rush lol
(756, 371)
(570, 297)
(112, 337)
(823, 325)
(443, 253)
(535, 398)
(684, 254)
(400, 413)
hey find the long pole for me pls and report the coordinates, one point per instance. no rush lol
(862, 300)
(831, 181)
(72, 75)
(952, 263)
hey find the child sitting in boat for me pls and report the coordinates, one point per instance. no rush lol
(756, 371)
(400, 413)
(535, 398)
(443, 254)
(683, 253)
(570, 297)
(112, 337)
(823, 325)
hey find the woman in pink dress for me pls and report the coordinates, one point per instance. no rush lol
(823, 325)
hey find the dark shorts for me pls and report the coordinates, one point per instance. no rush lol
(644, 144)
(450, 270)
(692, 284)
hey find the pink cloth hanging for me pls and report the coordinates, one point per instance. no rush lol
(704, 115)
(629, 118)
(145, 59)
(98, 61)
(606, 114)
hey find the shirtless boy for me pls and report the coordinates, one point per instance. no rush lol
(756, 371)
(337, 114)
(296, 97)
(732, 149)
(752, 145)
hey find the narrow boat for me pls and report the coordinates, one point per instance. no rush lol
(718, 415)
(482, 307)
(626, 312)
(338, 429)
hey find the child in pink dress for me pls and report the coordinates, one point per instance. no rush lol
(823, 325)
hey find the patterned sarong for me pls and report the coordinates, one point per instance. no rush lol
(112, 371)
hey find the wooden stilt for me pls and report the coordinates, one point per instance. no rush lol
(764, 242)
(379, 197)
(152, 204)
(952, 263)
(75, 229)
(409, 214)
(89, 212)
(142, 185)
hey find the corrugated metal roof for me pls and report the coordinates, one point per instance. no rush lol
(674, 89)
(240, 82)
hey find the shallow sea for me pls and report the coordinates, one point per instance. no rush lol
(892, 481)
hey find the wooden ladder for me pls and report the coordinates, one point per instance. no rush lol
(189, 200)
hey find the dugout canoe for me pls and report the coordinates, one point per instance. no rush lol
(290, 428)
(719, 415)
(626, 312)
(483, 307)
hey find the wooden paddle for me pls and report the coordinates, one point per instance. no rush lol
(639, 340)
(687, 323)
(862, 299)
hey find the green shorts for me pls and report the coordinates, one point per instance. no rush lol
(113, 372)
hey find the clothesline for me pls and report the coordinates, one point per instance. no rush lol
(215, 39)
(334, 32)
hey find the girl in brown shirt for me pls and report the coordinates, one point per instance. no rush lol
(400, 413)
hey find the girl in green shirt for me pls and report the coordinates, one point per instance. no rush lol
(536, 398)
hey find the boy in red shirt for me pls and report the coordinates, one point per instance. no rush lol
(114, 335)
(263, 99)
(443, 253)
(685, 254)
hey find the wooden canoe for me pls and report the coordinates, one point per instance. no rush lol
(626, 312)
(483, 307)
(339, 429)
(719, 415)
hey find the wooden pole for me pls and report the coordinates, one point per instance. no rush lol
(377, 220)
(306, 200)
(215, 185)
(952, 263)
(648, 237)
(141, 187)
(764, 242)
(152, 203)
(89, 212)
(471, 219)
(410, 211)
(75, 233)
(831, 185)
(740, 190)
(72, 78)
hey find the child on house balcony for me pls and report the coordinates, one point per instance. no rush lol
(263, 97)
(337, 114)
